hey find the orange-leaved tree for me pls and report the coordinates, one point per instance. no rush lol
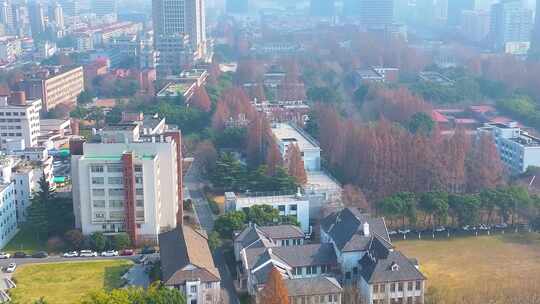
(295, 164)
(275, 291)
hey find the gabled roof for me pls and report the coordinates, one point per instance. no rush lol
(346, 228)
(254, 236)
(313, 286)
(185, 256)
(293, 256)
(383, 264)
(283, 232)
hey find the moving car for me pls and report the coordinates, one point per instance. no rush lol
(11, 267)
(71, 254)
(88, 253)
(40, 255)
(110, 253)
(20, 255)
(4, 255)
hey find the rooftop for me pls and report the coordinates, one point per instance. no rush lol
(175, 89)
(317, 180)
(287, 133)
(312, 286)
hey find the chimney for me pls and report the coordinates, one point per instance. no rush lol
(18, 98)
(3, 101)
(76, 146)
(269, 250)
(366, 229)
(74, 125)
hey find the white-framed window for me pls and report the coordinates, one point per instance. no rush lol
(96, 168)
(98, 192)
(98, 180)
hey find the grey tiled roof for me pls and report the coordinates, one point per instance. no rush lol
(346, 228)
(264, 236)
(283, 232)
(294, 256)
(182, 247)
(313, 286)
(376, 267)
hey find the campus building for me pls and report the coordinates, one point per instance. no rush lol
(19, 121)
(127, 181)
(55, 86)
(517, 148)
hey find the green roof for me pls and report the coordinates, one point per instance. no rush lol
(59, 179)
(103, 157)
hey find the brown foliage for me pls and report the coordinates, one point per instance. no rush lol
(295, 164)
(354, 197)
(233, 104)
(485, 166)
(273, 158)
(397, 105)
(275, 291)
(201, 100)
(206, 156)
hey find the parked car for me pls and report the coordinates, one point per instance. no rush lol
(466, 227)
(4, 255)
(501, 226)
(392, 232)
(88, 253)
(440, 229)
(483, 227)
(40, 255)
(404, 231)
(110, 253)
(71, 254)
(20, 255)
(11, 267)
(148, 250)
(127, 252)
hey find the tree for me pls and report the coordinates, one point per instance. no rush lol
(262, 215)
(201, 100)
(295, 164)
(206, 156)
(324, 94)
(434, 205)
(273, 158)
(85, 97)
(465, 208)
(75, 238)
(99, 241)
(121, 241)
(274, 291)
(214, 240)
(486, 170)
(38, 212)
(360, 94)
(421, 123)
(156, 293)
(354, 197)
(227, 223)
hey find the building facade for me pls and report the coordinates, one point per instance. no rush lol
(511, 23)
(475, 25)
(19, 121)
(8, 213)
(128, 182)
(376, 14)
(55, 86)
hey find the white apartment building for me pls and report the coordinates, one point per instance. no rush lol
(8, 215)
(10, 48)
(517, 148)
(19, 120)
(125, 182)
(288, 205)
(287, 134)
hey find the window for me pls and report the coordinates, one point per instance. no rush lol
(375, 288)
(116, 215)
(139, 191)
(400, 286)
(115, 168)
(294, 207)
(139, 214)
(355, 270)
(418, 285)
(96, 168)
(308, 270)
(281, 208)
(98, 192)
(138, 180)
(323, 269)
(193, 289)
(393, 287)
(98, 203)
(382, 287)
(99, 215)
(348, 275)
(98, 180)
(314, 269)
(116, 181)
(410, 286)
(116, 204)
(140, 203)
(409, 300)
(138, 168)
(208, 297)
(418, 300)
(116, 192)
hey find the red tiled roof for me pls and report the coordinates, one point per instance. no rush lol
(438, 117)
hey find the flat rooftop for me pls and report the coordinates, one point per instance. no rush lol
(288, 134)
(318, 180)
(267, 199)
(175, 89)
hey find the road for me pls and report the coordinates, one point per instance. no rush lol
(193, 183)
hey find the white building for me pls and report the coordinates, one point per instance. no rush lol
(8, 213)
(287, 134)
(19, 120)
(10, 48)
(517, 148)
(124, 181)
(288, 205)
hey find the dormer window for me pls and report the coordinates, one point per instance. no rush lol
(394, 267)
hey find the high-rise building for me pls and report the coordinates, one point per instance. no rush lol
(129, 180)
(237, 6)
(37, 19)
(475, 25)
(104, 7)
(175, 21)
(322, 8)
(455, 8)
(511, 24)
(376, 14)
(20, 121)
(71, 7)
(535, 41)
(56, 15)
(6, 18)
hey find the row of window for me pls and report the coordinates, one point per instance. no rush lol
(115, 192)
(115, 203)
(116, 180)
(381, 288)
(409, 300)
(12, 113)
(293, 242)
(11, 134)
(310, 270)
(117, 215)
(116, 168)
(330, 299)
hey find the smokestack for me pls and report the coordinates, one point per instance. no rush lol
(18, 98)
(76, 146)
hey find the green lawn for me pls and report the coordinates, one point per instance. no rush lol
(66, 282)
(474, 265)
(25, 240)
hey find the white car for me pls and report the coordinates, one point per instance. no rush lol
(404, 231)
(440, 229)
(501, 226)
(392, 232)
(71, 254)
(4, 255)
(11, 267)
(88, 254)
(110, 253)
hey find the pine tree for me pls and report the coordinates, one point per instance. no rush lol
(275, 291)
(273, 158)
(38, 211)
(295, 164)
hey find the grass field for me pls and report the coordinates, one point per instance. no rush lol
(67, 282)
(469, 265)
